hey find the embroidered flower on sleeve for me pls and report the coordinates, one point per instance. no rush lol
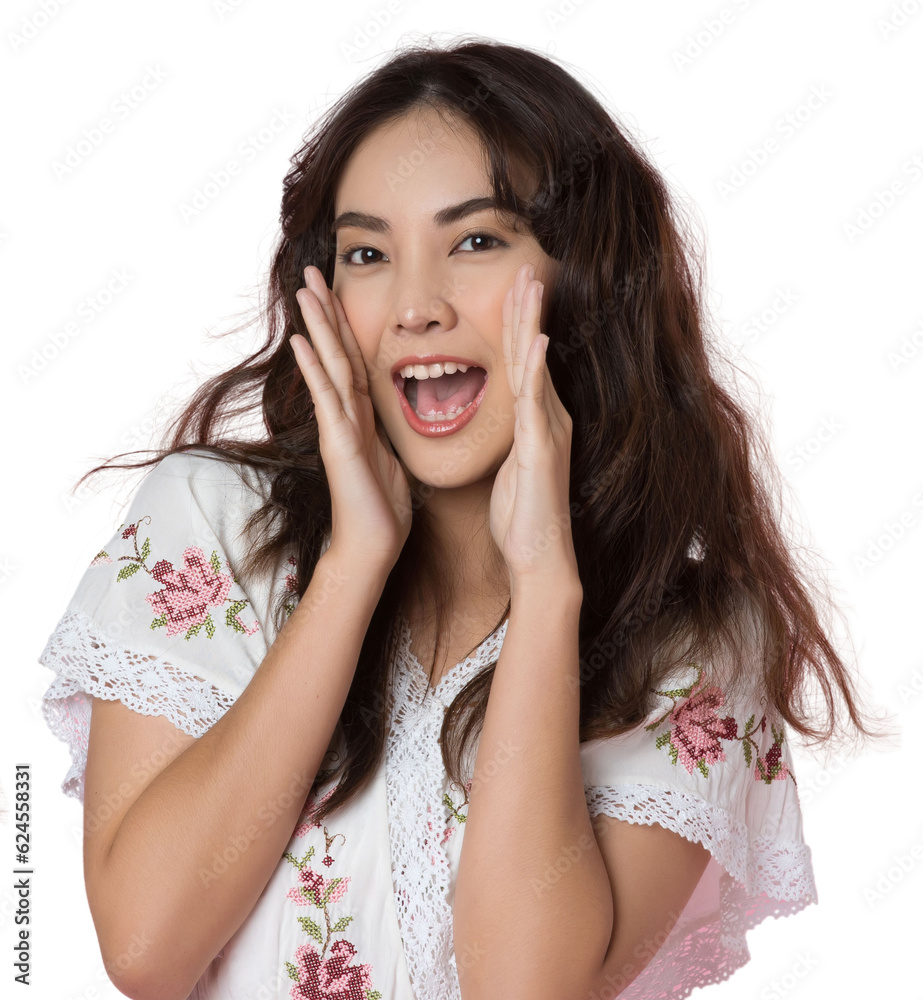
(771, 767)
(187, 596)
(188, 593)
(324, 973)
(697, 732)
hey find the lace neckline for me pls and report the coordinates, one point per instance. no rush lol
(454, 679)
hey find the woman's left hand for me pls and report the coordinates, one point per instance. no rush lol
(529, 505)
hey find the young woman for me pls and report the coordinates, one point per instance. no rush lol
(473, 674)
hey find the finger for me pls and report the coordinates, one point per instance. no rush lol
(528, 322)
(328, 406)
(527, 329)
(314, 282)
(557, 410)
(531, 399)
(327, 346)
(506, 336)
(522, 277)
(557, 414)
(351, 345)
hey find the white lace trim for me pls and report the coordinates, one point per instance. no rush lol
(89, 662)
(760, 864)
(415, 776)
(763, 878)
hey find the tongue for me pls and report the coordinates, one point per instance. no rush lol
(439, 395)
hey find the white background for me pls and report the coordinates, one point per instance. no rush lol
(807, 230)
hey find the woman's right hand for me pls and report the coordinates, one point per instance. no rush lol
(369, 492)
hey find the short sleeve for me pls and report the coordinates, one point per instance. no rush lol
(717, 770)
(160, 619)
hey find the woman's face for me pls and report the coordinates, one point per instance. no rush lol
(416, 288)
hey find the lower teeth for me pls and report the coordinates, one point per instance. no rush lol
(435, 418)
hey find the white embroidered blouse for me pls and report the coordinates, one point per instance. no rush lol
(360, 906)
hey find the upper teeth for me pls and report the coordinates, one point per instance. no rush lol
(434, 370)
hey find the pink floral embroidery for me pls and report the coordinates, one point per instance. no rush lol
(697, 730)
(291, 586)
(325, 974)
(304, 827)
(331, 978)
(771, 767)
(184, 602)
(291, 579)
(318, 889)
(188, 593)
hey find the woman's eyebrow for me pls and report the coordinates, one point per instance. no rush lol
(444, 217)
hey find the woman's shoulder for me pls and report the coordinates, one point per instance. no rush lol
(201, 467)
(197, 482)
(709, 723)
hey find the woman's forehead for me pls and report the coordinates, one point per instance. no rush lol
(420, 163)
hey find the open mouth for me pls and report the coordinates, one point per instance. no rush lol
(443, 398)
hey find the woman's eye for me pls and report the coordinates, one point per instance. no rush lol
(346, 256)
(485, 236)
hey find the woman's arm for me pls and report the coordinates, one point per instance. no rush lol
(161, 807)
(549, 905)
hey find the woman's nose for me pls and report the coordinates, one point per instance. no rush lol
(420, 304)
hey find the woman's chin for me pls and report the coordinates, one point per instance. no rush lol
(426, 481)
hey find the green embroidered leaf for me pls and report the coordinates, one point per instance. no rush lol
(676, 692)
(749, 725)
(216, 563)
(373, 995)
(308, 854)
(159, 622)
(748, 753)
(102, 554)
(230, 617)
(777, 734)
(193, 630)
(674, 753)
(702, 766)
(126, 571)
(458, 816)
(685, 692)
(340, 925)
(292, 971)
(662, 738)
(288, 608)
(311, 928)
(331, 887)
(145, 549)
(209, 626)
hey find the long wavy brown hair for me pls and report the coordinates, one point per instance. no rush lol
(676, 527)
